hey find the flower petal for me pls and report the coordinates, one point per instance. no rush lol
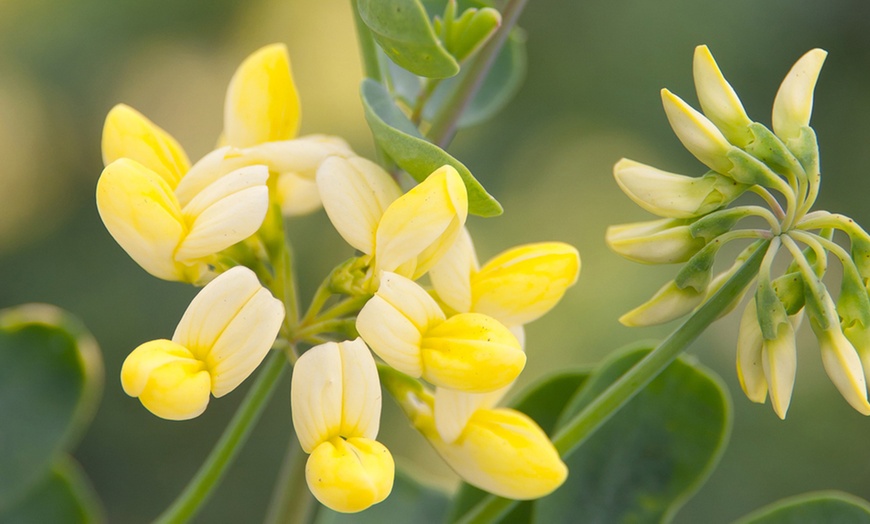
(262, 104)
(350, 475)
(453, 409)
(316, 396)
(750, 369)
(697, 133)
(128, 134)
(718, 99)
(355, 193)
(142, 215)
(451, 276)
(169, 381)
(793, 104)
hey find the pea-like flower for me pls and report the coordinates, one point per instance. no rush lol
(336, 402)
(468, 351)
(222, 337)
(404, 234)
(174, 238)
(515, 287)
(781, 167)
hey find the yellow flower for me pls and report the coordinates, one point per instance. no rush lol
(515, 287)
(793, 105)
(174, 238)
(404, 234)
(222, 337)
(336, 404)
(469, 351)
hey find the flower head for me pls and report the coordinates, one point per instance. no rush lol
(336, 401)
(222, 337)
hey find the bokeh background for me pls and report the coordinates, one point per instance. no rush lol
(591, 97)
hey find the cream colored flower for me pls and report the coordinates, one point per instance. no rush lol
(336, 405)
(222, 337)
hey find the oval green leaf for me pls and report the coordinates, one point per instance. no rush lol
(408, 499)
(543, 402)
(51, 378)
(401, 140)
(63, 495)
(812, 508)
(643, 463)
(403, 30)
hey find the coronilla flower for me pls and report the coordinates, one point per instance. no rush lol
(174, 238)
(404, 234)
(782, 168)
(221, 338)
(499, 450)
(336, 402)
(468, 351)
(515, 287)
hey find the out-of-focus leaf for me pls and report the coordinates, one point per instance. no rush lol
(543, 402)
(409, 501)
(500, 85)
(400, 139)
(403, 30)
(469, 31)
(64, 495)
(643, 463)
(812, 508)
(51, 377)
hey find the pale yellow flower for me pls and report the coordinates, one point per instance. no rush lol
(336, 404)
(222, 337)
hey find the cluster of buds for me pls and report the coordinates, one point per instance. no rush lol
(781, 167)
(220, 223)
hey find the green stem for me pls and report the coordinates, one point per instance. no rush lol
(367, 46)
(444, 124)
(291, 499)
(593, 416)
(234, 436)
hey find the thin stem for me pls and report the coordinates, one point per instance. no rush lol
(593, 416)
(771, 201)
(351, 305)
(367, 46)
(291, 500)
(422, 97)
(231, 441)
(444, 124)
(320, 297)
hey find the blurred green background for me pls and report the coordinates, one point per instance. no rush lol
(591, 97)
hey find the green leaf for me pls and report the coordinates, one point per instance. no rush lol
(499, 86)
(543, 402)
(50, 381)
(465, 34)
(403, 30)
(812, 508)
(643, 463)
(63, 495)
(408, 498)
(400, 139)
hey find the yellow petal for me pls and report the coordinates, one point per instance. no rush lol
(843, 365)
(471, 352)
(504, 452)
(422, 224)
(128, 134)
(350, 475)
(451, 276)
(143, 216)
(522, 284)
(169, 381)
(793, 104)
(664, 241)
(453, 409)
(316, 396)
(697, 133)
(779, 358)
(262, 104)
(718, 99)
(670, 302)
(297, 195)
(750, 370)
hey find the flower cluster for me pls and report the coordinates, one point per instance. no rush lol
(220, 223)
(781, 167)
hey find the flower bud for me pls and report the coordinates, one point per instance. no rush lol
(697, 133)
(669, 302)
(793, 105)
(665, 241)
(718, 99)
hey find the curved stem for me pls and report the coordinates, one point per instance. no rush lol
(593, 416)
(234, 436)
(771, 200)
(444, 124)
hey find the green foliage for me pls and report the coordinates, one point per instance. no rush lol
(811, 508)
(50, 384)
(400, 139)
(465, 34)
(63, 495)
(643, 463)
(408, 502)
(403, 30)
